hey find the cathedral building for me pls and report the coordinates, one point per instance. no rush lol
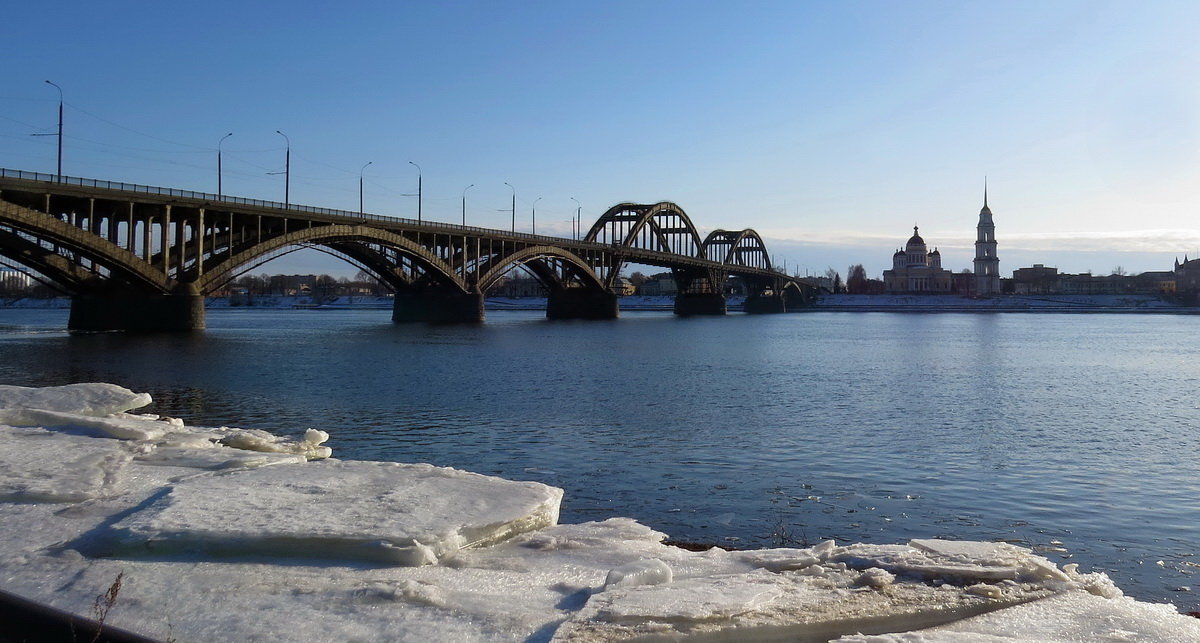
(915, 270)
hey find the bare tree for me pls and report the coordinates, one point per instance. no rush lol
(856, 282)
(835, 279)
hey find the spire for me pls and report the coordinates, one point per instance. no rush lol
(985, 191)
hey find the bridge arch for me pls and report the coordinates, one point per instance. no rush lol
(339, 237)
(662, 227)
(743, 248)
(555, 267)
(24, 233)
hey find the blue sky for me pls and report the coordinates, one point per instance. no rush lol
(831, 128)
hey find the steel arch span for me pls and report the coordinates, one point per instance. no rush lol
(657, 227)
(742, 248)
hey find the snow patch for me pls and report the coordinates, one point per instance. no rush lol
(40, 466)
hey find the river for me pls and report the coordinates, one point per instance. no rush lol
(1071, 434)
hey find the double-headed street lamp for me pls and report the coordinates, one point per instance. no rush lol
(533, 217)
(360, 181)
(418, 189)
(464, 213)
(219, 162)
(514, 206)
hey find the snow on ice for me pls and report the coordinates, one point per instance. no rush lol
(235, 534)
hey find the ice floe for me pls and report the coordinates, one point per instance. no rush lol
(407, 514)
(214, 544)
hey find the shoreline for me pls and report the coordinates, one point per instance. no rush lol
(1057, 304)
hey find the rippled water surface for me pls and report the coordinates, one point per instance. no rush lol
(1071, 434)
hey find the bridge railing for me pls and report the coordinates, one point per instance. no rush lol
(259, 203)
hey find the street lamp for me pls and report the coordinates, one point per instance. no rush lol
(514, 206)
(533, 218)
(219, 162)
(418, 189)
(576, 221)
(287, 170)
(465, 202)
(60, 121)
(360, 179)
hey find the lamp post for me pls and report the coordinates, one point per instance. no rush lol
(418, 190)
(219, 162)
(514, 206)
(60, 123)
(533, 217)
(576, 221)
(287, 170)
(464, 213)
(360, 181)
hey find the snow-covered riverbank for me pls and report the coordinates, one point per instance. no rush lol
(234, 534)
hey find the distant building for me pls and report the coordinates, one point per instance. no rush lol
(1187, 275)
(987, 264)
(660, 284)
(14, 281)
(1035, 280)
(622, 287)
(1162, 282)
(518, 287)
(915, 270)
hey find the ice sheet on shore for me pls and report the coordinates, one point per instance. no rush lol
(215, 546)
(96, 398)
(100, 410)
(40, 466)
(406, 514)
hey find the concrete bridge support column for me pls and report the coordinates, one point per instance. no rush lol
(687, 304)
(438, 307)
(764, 304)
(136, 312)
(577, 303)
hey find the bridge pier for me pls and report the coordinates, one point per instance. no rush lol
(688, 304)
(578, 303)
(764, 304)
(438, 307)
(183, 311)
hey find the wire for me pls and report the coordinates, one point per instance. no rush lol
(130, 129)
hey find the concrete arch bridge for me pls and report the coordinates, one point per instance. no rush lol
(134, 257)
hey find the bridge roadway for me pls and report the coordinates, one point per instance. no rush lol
(135, 257)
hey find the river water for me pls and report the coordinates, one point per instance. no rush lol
(1071, 434)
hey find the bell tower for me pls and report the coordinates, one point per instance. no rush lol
(987, 264)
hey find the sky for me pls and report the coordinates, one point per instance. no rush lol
(831, 128)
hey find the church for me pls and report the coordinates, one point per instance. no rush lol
(915, 270)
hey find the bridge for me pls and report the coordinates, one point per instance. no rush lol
(135, 257)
